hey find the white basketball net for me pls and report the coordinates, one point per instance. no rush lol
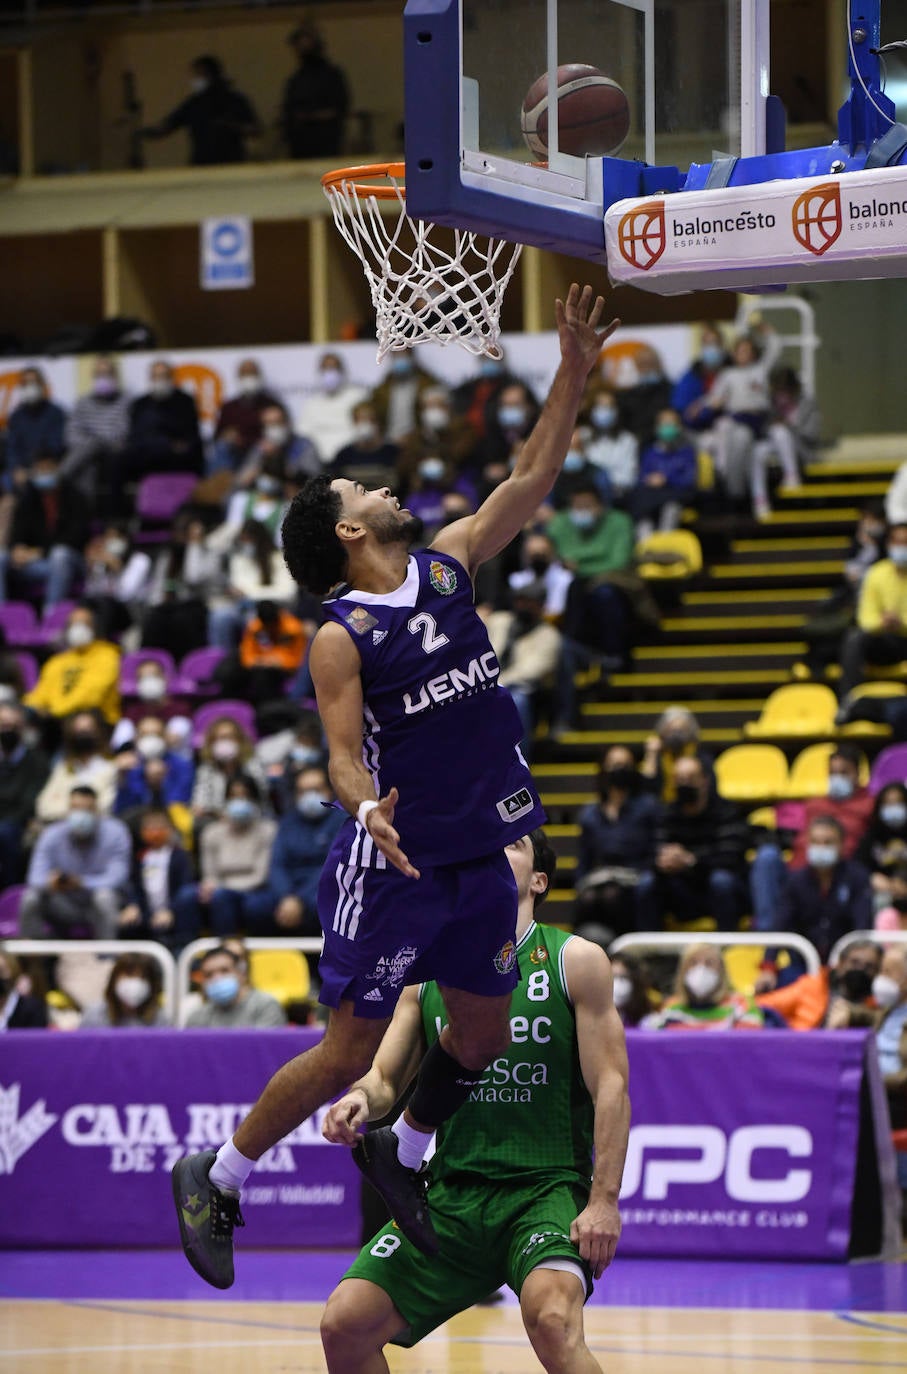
(422, 292)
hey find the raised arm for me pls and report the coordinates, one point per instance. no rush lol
(394, 1065)
(603, 1061)
(504, 513)
(335, 667)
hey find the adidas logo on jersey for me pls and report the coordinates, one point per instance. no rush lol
(378, 636)
(376, 995)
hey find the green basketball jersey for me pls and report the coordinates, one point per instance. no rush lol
(531, 1112)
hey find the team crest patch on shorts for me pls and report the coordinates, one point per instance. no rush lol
(442, 578)
(516, 805)
(391, 968)
(360, 620)
(538, 955)
(505, 958)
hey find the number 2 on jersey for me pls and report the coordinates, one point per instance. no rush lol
(427, 626)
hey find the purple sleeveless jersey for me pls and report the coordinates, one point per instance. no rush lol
(437, 725)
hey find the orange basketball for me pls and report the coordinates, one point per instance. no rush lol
(593, 113)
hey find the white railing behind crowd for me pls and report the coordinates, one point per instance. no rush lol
(783, 939)
(109, 950)
(304, 944)
(858, 937)
(805, 340)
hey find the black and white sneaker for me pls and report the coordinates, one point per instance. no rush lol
(206, 1218)
(404, 1190)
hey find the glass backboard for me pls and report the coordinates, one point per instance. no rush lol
(694, 73)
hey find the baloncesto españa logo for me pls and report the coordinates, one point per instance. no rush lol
(641, 235)
(816, 217)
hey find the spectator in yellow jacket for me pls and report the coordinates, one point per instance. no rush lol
(82, 677)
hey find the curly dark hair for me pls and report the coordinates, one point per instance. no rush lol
(311, 549)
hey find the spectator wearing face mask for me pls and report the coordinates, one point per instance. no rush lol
(132, 998)
(829, 896)
(667, 477)
(884, 845)
(676, 736)
(284, 753)
(273, 645)
(163, 436)
(154, 697)
(117, 580)
(616, 845)
(239, 424)
(594, 540)
(398, 396)
(429, 484)
(82, 760)
(690, 396)
(218, 118)
(369, 457)
(23, 774)
(528, 649)
(35, 426)
(154, 789)
(97, 427)
(188, 574)
(84, 676)
(540, 563)
(235, 856)
(648, 393)
(256, 572)
(847, 803)
(893, 914)
(577, 472)
(476, 399)
(78, 872)
(161, 868)
(889, 989)
(326, 416)
(880, 635)
(704, 999)
(150, 745)
(19, 1010)
(836, 999)
(634, 996)
(48, 533)
(741, 399)
(515, 413)
(279, 450)
(612, 450)
(437, 433)
(833, 616)
(229, 1003)
(304, 837)
(226, 753)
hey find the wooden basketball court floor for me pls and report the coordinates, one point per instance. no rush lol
(146, 1313)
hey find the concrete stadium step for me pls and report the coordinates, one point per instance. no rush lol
(640, 716)
(712, 601)
(732, 681)
(668, 657)
(579, 743)
(784, 574)
(556, 778)
(805, 548)
(838, 520)
(831, 493)
(724, 629)
(837, 469)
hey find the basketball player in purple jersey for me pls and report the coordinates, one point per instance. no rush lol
(424, 756)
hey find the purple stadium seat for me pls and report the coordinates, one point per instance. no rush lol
(20, 624)
(240, 711)
(195, 671)
(158, 498)
(29, 665)
(889, 766)
(130, 664)
(10, 902)
(54, 621)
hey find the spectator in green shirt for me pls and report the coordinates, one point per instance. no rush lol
(595, 542)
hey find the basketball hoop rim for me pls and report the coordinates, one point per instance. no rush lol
(350, 179)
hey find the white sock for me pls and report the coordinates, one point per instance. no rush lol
(231, 1169)
(411, 1144)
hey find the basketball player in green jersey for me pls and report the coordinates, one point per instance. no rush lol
(514, 1196)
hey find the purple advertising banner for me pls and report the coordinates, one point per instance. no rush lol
(742, 1145)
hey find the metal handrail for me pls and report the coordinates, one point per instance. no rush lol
(112, 948)
(788, 939)
(305, 944)
(807, 341)
(858, 937)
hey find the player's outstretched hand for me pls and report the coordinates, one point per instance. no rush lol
(346, 1118)
(580, 328)
(380, 825)
(596, 1232)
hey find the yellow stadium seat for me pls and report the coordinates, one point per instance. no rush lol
(763, 816)
(284, 973)
(751, 772)
(884, 687)
(809, 771)
(669, 553)
(801, 708)
(743, 963)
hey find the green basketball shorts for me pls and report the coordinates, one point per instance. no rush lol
(488, 1236)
